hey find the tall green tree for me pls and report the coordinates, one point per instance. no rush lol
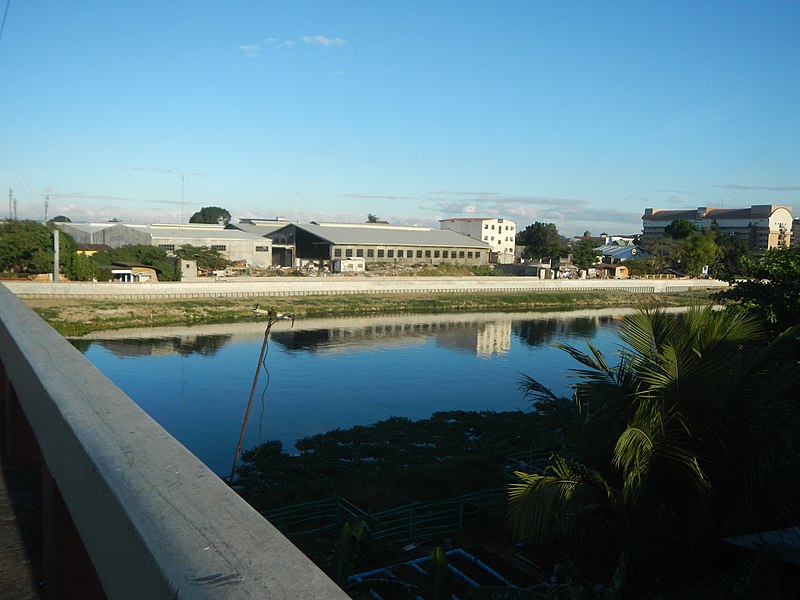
(661, 255)
(25, 247)
(697, 251)
(542, 240)
(690, 437)
(206, 258)
(211, 215)
(732, 252)
(583, 253)
(679, 229)
(81, 268)
(773, 288)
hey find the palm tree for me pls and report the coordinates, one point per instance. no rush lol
(691, 436)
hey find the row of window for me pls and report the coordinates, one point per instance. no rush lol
(217, 247)
(393, 253)
(499, 227)
(508, 239)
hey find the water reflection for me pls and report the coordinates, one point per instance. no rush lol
(206, 345)
(538, 332)
(325, 374)
(482, 334)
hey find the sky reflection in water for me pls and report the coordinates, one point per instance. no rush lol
(336, 373)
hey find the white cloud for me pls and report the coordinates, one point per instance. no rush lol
(323, 40)
(376, 196)
(250, 51)
(276, 43)
(766, 188)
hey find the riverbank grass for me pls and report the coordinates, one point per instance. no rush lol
(74, 317)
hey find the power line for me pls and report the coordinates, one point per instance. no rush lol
(5, 15)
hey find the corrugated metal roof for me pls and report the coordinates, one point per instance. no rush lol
(396, 235)
(615, 251)
(259, 230)
(469, 219)
(191, 232)
(85, 227)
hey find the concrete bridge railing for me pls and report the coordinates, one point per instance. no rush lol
(152, 520)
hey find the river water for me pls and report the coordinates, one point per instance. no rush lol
(335, 373)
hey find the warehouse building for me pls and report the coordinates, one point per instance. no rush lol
(235, 245)
(319, 243)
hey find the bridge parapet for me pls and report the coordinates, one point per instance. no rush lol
(154, 521)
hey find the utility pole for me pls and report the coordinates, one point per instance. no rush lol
(46, 202)
(55, 256)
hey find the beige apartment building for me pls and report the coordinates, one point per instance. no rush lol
(761, 226)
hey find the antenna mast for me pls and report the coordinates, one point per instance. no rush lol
(181, 199)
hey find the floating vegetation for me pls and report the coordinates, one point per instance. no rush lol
(392, 462)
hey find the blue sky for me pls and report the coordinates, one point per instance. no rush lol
(576, 113)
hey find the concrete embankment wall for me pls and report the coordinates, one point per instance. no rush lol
(280, 286)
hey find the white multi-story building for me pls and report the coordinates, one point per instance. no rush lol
(500, 234)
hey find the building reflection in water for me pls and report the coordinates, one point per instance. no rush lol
(482, 334)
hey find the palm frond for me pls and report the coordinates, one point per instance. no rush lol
(595, 361)
(540, 505)
(656, 436)
(637, 332)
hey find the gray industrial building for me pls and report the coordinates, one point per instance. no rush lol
(297, 244)
(235, 245)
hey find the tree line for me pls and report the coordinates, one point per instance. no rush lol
(26, 248)
(683, 250)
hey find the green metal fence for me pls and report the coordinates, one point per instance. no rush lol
(413, 522)
(532, 460)
(312, 518)
(409, 523)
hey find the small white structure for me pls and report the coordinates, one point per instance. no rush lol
(133, 273)
(188, 269)
(348, 265)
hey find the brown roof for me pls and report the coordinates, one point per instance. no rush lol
(710, 213)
